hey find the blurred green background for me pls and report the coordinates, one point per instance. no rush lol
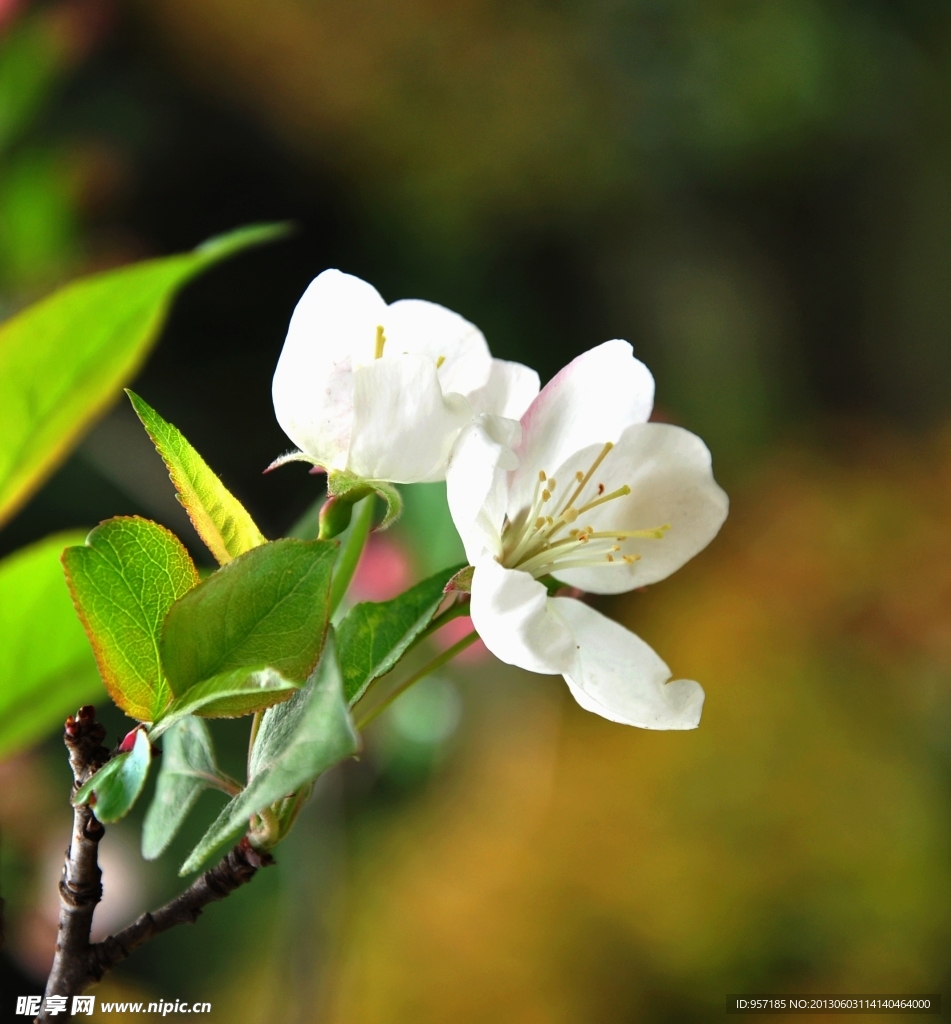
(755, 193)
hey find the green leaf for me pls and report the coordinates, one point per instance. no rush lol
(267, 607)
(373, 637)
(31, 57)
(63, 359)
(229, 695)
(297, 742)
(348, 489)
(119, 782)
(188, 767)
(46, 665)
(221, 520)
(123, 581)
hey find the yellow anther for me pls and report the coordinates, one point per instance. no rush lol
(539, 522)
(579, 476)
(541, 476)
(549, 520)
(570, 515)
(631, 559)
(610, 558)
(546, 495)
(552, 483)
(380, 342)
(440, 361)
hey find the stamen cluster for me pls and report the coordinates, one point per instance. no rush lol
(535, 541)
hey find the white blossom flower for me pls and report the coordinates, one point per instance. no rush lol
(586, 492)
(381, 391)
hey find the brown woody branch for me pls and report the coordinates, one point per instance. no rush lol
(78, 962)
(80, 888)
(233, 871)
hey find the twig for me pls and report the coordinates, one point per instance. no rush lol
(233, 871)
(78, 962)
(80, 888)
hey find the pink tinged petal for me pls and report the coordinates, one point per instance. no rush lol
(670, 474)
(449, 340)
(476, 483)
(403, 425)
(511, 611)
(619, 677)
(591, 401)
(332, 328)
(510, 390)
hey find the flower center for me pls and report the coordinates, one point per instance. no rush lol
(381, 342)
(544, 540)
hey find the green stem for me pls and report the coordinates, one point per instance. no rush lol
(351, 549)
(221, 782)
(452, 612)
(255, 725)
(270, 832)
(432, 666)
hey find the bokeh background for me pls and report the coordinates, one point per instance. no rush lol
(755, 193)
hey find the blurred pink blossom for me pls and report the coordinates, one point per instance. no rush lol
(455, 630)
(383, 571)
(8, 10)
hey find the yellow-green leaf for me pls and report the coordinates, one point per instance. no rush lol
(63, 360)
(123, 581)
(222, 522)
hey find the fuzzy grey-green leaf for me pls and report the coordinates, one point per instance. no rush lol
(119, 782)
(188, 767)
(298, 740)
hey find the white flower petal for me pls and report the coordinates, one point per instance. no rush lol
(403, 425)
(590, 401)
(336, 317)
(510, 610)
(510, 390)
(449, 340)
(475, 483)
(313, 403)
(670, 475)
(618, 676)
(333, 326)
